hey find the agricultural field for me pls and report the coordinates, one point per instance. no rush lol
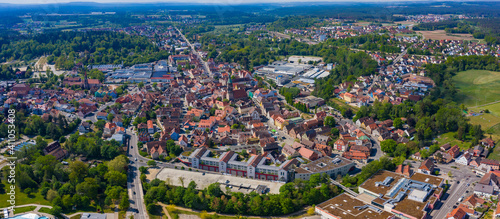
(442, 35)
(478, 87)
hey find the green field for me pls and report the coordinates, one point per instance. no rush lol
(449, 138)
(478, 87)
(21, 198)
(479, 90)
(24, 209)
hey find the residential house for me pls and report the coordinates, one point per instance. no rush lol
(102, 115)
(464, 159)
(309, 154)
(454, 151)
(156, 148)
(151, 127)
(426, 167)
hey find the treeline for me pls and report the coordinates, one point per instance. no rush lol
(77, 185)
(53, 128)
(92, 146)
(66, 49)
(292, 197)
(441, 25)
(292, 22)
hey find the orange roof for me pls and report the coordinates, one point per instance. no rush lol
(150, 124)
(110, 125)
(224, 129)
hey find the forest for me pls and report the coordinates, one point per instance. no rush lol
(66, 49)
(292, 197)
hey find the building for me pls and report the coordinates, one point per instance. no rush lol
(157, 148)
(93, 216)
(256, 167)
(347, 206)
(334, 167)
(426, 167)
(406, 197)
(454, 151)
(55, 149)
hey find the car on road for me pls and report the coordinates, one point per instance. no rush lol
(134, 193)
(460, 199)
(468, 184)
(135, 159)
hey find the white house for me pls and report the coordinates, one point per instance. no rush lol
(464, 159)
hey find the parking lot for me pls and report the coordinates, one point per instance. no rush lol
(235, 184)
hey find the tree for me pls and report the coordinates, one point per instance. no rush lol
(119, 163)
(156, 135)
(124, 203)
(151, 163)
(329, 121)
(51, 195)
(78, 171)
(143, 169)
(140, 85)
(111, 117)
(397, 123)
(388, 146)
(67, 201)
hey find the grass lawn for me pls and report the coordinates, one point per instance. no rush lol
(122, 215)
(78, 216)
(44, 210)
(342, 103)
(495, 154)
(477, 87)
(448, 138)
(21, 198)
(24, 209)
(486, 120)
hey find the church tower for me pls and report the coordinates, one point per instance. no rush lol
(230, 95)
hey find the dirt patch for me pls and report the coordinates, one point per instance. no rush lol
(442, 35)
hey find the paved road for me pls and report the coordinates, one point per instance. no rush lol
(134, 184)
(205, 65)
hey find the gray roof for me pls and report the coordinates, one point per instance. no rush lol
(483, 189)
(93, 216)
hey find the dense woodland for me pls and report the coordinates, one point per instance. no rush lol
(292, 196)
(66, 49)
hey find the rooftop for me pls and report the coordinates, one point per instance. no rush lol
(323, 164)
(347, 207)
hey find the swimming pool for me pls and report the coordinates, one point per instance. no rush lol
(28, 216)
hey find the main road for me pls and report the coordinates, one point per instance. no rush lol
(134, 184)
(205, 64)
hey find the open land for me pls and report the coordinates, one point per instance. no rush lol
(203, 181)
(442, 35)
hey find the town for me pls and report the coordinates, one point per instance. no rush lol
(323, 118)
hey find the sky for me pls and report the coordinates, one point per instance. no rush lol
(194, 1)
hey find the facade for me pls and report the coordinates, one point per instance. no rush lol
(256, 167)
